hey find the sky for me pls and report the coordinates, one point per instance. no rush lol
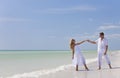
(50, 24)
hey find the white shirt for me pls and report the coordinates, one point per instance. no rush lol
(102, 44)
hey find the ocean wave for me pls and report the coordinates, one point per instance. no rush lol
(38, 74)
(88, 61)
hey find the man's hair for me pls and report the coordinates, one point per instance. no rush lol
(101, 33)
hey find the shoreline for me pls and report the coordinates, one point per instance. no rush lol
(69, 71)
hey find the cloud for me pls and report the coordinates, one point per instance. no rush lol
(2, 20)
(108, 27)
(83, 36)
(113, 36)
(94, 36)
(66, 10)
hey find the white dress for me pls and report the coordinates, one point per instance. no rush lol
(78, 57)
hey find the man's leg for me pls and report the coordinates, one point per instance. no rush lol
(99, 60)
(108, 61)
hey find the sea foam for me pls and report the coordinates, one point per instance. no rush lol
(38, 74)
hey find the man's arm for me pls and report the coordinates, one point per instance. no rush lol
(93, 42)
(106, 49)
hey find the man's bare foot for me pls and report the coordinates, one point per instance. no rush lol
(99, 68)
(76, 69)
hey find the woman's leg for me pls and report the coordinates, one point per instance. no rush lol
(84, 62)
(86, 67)
(77, 67)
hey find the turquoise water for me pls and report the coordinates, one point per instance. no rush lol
(13, 62)
(40, 54)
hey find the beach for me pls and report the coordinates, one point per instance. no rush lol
(105, 72)
(44, 38)
(54, 64)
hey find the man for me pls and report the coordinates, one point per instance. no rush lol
(102, 45)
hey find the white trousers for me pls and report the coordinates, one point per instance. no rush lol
(100, 54)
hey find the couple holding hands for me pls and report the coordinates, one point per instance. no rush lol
(102, 47)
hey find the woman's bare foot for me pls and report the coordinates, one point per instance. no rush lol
(87, 69)
(76, 67)
(110, 66)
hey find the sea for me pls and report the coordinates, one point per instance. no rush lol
(36, 63)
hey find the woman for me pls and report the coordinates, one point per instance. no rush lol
(77, 56)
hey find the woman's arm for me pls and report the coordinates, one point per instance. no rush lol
(73, 53)
(80, 42)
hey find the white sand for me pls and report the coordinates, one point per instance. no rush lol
(105, 72)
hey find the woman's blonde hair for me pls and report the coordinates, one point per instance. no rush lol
(72, 43)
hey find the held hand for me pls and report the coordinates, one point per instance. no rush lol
(88, 40)
(105, 53)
